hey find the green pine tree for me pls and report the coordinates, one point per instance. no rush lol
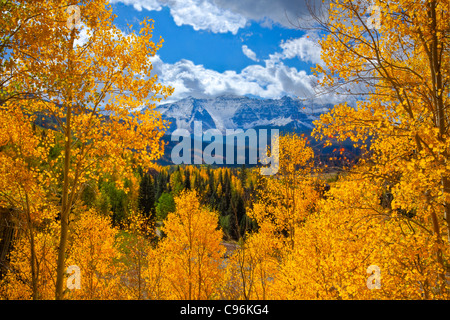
(146, 200)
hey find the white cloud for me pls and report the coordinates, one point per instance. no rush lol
(249, 53)
(203, 15)
(288, 13)
(149, 5)
(223, 16)
(200, 14)
(274, 80)
(305, 48)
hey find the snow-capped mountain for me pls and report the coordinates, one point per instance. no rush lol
(240, 112)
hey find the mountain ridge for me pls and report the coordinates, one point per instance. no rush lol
(241, 112)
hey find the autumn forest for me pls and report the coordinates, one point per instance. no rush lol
(87, 212)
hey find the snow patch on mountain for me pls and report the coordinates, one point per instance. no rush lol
(277, 122)
(241, 112)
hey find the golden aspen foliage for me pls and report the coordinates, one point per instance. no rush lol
(20, 281)
(77, 107)
(253, 266)
(333, 248)
(350, 232)
(402, 67)
(24, 187)
(92, 247)
(136, 245)
(91, 79)
(289, 196)
(155, 275)
(404, 64)
(284, 203)
(193, 250)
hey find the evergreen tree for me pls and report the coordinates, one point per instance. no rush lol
(226, 193)
(160, 184)
(211, 194)
(187, 179)
(197, 184)
(238, 212)
(114, 201)
(146, 200)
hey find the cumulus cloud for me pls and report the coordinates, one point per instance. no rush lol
(305, 48)
(221, 16)
(285, 12)
(272, 80)
(149, 5)
(249, 53)
(203, 15)
(200, 14)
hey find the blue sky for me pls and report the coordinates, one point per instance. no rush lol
(215, 47)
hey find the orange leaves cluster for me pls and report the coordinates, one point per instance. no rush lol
(19, 281)
(86, 85)
(107, 71)
(402, 64)
(326, 251)
(91, 247)
(193, 248)
(291, 196)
